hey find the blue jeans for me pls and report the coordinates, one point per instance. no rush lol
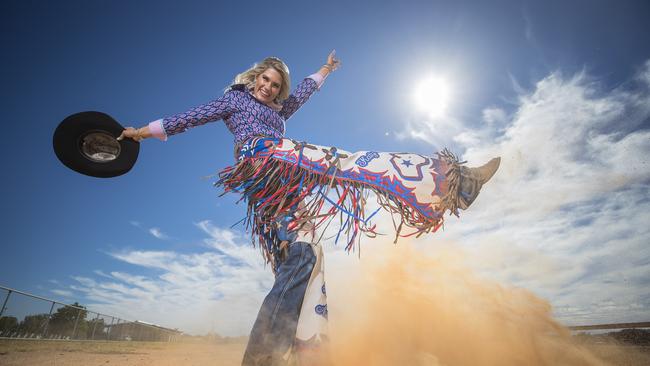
(275, 327)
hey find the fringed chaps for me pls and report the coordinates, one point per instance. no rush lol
(314, 184)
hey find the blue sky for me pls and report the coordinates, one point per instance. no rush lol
(559, 89)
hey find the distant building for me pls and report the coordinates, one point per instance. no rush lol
(141, 331)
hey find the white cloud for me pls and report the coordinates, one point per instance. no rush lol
(64, 293)
(150, 259)
(644, 74)
(435, 131)
(566, 215)
(85, 281)
(217, 290)
(219, 238)
(101, 273)
(157, 233)
(494, 116)
(528, 27)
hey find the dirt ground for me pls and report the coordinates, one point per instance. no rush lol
(64, 353)
(60, 353)
(622, 355)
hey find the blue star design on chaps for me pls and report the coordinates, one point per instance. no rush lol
(321, 310)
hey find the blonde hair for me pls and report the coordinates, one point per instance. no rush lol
(249, 76)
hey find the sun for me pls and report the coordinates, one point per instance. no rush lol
(432, 96)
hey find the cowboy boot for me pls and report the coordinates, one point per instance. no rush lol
(472, 179)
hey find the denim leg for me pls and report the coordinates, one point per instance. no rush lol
(275, 327)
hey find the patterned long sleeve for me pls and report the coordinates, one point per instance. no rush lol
(217, 109)
(300, 95)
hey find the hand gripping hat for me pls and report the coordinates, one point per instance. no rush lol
(87, 143)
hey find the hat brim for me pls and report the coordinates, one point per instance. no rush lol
(71, 138)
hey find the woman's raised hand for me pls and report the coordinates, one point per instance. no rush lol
(333, 63)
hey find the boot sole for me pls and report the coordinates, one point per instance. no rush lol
(493, 164)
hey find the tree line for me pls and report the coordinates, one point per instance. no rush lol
(61, 324)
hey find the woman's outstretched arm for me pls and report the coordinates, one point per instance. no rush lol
(308, 86)
(217, 109)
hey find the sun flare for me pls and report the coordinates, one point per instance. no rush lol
(432, 96)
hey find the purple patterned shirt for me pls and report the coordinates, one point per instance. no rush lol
(244, 115)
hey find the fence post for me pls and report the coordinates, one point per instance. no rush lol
(47, 323)
(139, 332)
(4, 304)
(121, 328)
(92, 337)
(110, 329)
(130, 332)
(76, 322)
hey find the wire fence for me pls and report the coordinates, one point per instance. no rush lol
(28, 316)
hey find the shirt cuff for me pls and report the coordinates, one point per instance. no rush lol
(318, 78)
(157, 130)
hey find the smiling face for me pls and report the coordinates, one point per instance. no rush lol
(267, 86)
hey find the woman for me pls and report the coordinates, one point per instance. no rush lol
(294, 188)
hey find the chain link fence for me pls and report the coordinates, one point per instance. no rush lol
(27, 316)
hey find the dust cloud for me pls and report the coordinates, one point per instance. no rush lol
(400, 306)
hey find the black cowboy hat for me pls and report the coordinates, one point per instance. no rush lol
(87, 143)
